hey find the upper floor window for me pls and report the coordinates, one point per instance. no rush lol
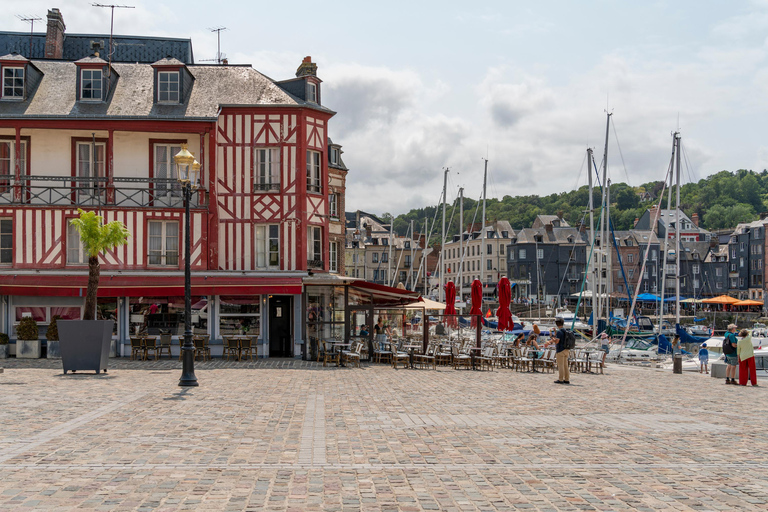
(165, 169)
(521, 254)
(540, 254)
(385, 257)
(267, 246)
(13, 83)
(6, 241)
(90, 167)
(8, 161)
(266, 163)
(333, 256)
(163, 243)
(311, 92)
(91, 85)
(333, 206)
(168, 90)
(334, 156)
(315, 245)
(313, 171)
(76, 254)
(488, 249)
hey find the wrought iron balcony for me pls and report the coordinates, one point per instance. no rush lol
(78, 191)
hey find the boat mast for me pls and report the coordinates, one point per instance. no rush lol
(390, 276)
(590, 264)
(482, 244)
(677, 231)
(461, 241)
(441, 291)
(424, 251)
(411, 279)
(604, 245)
(665, 268)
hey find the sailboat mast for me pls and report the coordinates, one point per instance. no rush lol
(677, 230)
(665, 267)
(604, 246)
(461, 240)
(590, 264)
(482, 245)
(411, 278)
(424, 251)
(441, 291)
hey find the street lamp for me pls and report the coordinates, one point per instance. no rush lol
(188, 172)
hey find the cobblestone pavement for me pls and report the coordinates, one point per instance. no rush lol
(290, 435)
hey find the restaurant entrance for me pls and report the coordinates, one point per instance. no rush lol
(280, 339)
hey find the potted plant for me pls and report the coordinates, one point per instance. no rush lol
(52, 335)
(4, 344)
(85, 343)
(28, 344)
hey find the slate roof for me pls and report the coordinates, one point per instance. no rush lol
(127, 48)
(214, 86)
(543, 220)
(556, 236)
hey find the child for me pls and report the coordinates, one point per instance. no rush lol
(703, 358)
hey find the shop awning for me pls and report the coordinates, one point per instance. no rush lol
(147, 285)
(385, 295)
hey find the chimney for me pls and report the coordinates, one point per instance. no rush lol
(763, 215)
(225, 62)
(54, 37)
(695, 219)
(549, 227)
(368, 231)
(714, 242)
(307, 68)
(636, 221)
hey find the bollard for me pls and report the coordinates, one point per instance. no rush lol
(677, 365)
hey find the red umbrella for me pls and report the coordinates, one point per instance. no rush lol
(450, 301)
(503, 313)
(477, 301)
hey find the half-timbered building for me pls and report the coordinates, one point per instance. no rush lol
(79, 131)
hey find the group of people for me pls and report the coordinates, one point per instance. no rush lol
(740, 353)
(557, 340)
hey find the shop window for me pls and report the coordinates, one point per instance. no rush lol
(161, 315)
(240, 315)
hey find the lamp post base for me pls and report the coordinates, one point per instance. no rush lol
(188, 378)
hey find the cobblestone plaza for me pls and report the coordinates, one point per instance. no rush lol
(291, 435)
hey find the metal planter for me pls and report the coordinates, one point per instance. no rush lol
(84, 344)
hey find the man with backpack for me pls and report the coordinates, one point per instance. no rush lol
(730, 345)
(564, 341)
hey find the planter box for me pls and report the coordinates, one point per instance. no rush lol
(54, 350)
(4, 351)
(29, 349)
(85, 344)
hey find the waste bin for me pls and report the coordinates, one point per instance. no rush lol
(677, 366)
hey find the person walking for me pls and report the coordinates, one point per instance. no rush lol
(730, 344)
(746, 359)
(563, 372)
(703, 358)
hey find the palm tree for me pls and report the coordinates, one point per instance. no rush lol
(97, 238)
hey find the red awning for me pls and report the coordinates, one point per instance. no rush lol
(125, 285)
(385, 295)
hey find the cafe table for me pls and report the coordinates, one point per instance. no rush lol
(338, 346)
(411, 348)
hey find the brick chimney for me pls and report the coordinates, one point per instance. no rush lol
(307, 68)
(549, 227)
(636, 221)
(695, 219)
(54, 37)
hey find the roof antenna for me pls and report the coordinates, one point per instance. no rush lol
(111, 29)
(218, 30)
(31, 20)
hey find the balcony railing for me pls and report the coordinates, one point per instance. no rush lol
(77, 191)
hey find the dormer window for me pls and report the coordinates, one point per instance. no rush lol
(334, 156)
(311, 92)
(91, 85)
(13, 83)
(168, 89)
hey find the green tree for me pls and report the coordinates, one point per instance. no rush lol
(97, 238)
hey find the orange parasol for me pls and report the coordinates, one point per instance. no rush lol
(748, 302)
(722, 299)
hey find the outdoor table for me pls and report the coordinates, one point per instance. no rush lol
(337, 346)
(472, 351)
(411, 348)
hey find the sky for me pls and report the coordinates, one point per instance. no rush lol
(422, 86)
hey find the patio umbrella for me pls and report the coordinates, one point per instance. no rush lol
(450, 301)
(477, 301)
(748, 302)
(503, 313)
(721, 299)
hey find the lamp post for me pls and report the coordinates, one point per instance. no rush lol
(188, 172)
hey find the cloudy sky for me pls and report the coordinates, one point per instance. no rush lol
(424, 85)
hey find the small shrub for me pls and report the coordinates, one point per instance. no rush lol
(52, 334)
(4, 339)
(27, 329)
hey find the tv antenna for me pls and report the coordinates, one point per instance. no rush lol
(31, 20)
(112, 26)
(218, 31)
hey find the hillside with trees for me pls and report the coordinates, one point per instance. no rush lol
(721, 200)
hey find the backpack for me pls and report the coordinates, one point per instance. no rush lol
(728, 348)
(569, 340)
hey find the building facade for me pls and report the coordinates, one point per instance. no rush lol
(77, 131)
